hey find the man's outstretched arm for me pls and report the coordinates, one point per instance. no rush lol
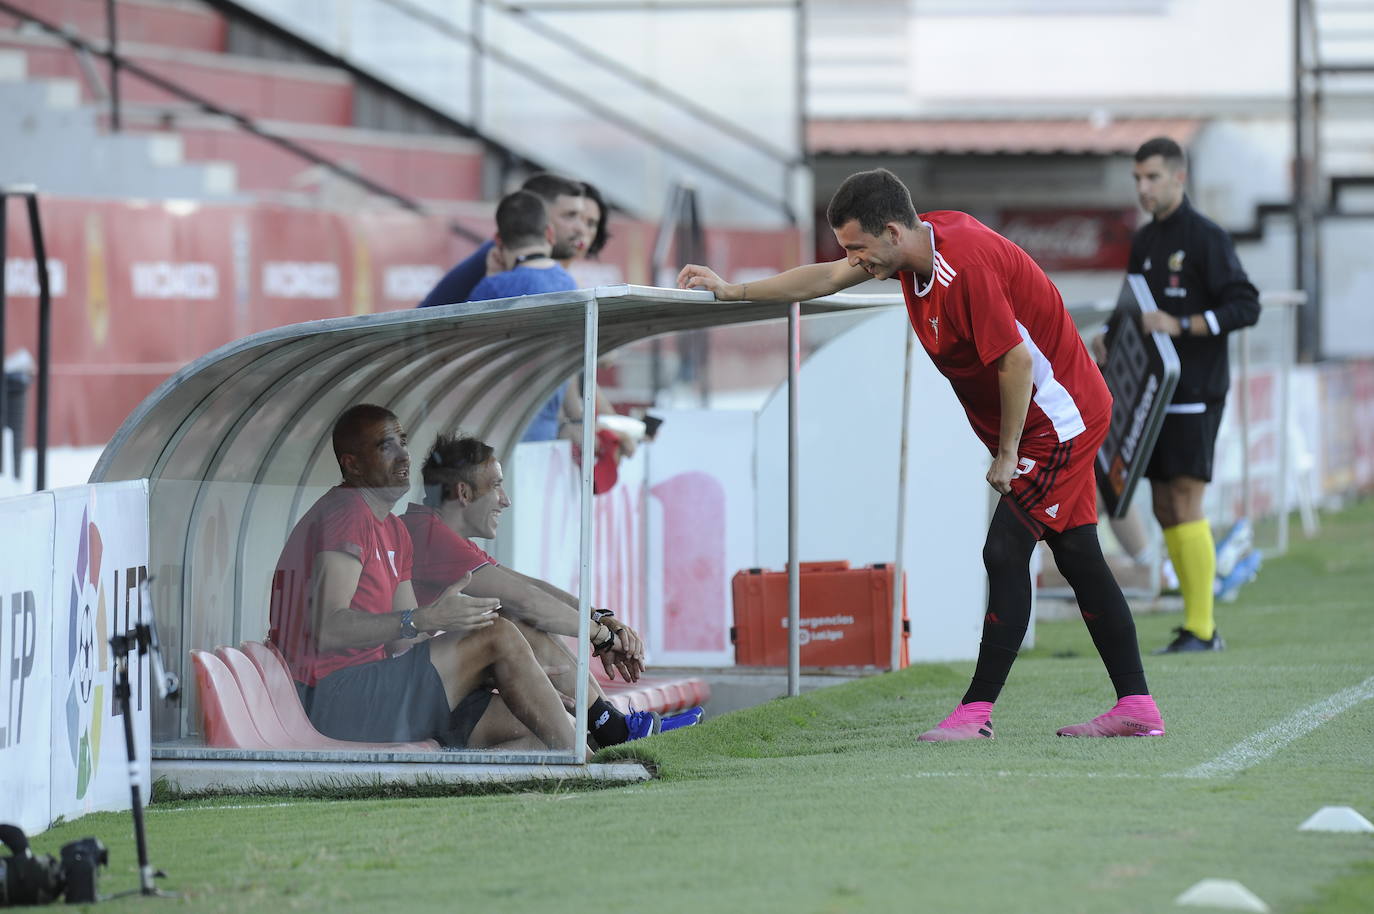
(551, 609)
(340, 626)
(797, 284)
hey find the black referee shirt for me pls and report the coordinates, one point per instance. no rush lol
(1191, 267)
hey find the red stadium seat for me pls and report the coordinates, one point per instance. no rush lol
(285, 703)
(259, 702)
(662, 695)
(225, 718)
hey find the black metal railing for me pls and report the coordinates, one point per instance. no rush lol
(520, 14)
(40, 255)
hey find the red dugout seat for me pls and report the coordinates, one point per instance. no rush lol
(225, 718)
(280, 699)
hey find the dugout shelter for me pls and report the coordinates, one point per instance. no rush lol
(236, 445)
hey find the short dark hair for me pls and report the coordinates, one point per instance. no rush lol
(521, 218)
(453, 459)
(550, 186)
(348, 428)
(603, 234)
(1165, 148)
(874, 198)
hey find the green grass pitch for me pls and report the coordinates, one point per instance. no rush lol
(825, 803)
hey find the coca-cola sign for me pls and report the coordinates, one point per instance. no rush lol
(1078, 239)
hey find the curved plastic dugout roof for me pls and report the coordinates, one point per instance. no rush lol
(236, 445)
(486, 365)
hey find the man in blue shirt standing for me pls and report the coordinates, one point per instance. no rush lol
(564, 199)
(525, 245)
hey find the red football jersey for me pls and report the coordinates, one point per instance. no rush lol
(984, 296)
(441, 556)
(340, 521)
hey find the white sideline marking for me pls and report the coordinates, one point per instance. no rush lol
(1258, 747)
(217, 808)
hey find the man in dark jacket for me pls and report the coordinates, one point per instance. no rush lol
(1203, 294)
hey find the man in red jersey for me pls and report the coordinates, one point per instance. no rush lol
(370, 662)
(996, 328)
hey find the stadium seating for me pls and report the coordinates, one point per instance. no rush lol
(224, 716)
(652, 693)
(231, 719)
(277, 710)
(248, 701)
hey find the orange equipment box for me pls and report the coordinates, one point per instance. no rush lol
(846, 616)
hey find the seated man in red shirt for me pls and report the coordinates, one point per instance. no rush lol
(364, 652)
(464, 497)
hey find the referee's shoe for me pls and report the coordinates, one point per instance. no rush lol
(1185, 642)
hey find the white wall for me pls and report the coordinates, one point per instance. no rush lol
(1187, 50)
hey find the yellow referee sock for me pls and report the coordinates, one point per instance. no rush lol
(1195, 561)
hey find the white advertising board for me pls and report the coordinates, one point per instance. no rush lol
(100, 556)
(26, 621)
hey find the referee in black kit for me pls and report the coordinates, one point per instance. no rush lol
(1203, 294)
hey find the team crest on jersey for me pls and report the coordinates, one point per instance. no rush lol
(1176, 261)
(1146, 264)
(935, 327)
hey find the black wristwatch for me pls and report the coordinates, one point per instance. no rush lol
(408, 629)
(599, 614)
(1185, 325)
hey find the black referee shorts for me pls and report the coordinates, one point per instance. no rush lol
(1186, 445)
(396, 700)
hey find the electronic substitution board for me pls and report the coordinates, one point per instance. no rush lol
(1141, 372)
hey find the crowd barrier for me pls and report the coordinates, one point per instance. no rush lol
(72, 574)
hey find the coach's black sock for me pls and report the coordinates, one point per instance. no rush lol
(1006, 555)
(607, 725)
(1078, 553)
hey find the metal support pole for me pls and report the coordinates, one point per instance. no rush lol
(475, 67)
(1289, 320)
(4, 391)
(803, 220)
(584, 596)
(1247, 493)
(793, 446)
(40, 256)
(898, 567)
(112, 52)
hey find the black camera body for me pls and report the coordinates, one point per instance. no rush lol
(28, 879)
(81, 861)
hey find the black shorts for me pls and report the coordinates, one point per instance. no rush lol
(1186, 445)
(396, 700)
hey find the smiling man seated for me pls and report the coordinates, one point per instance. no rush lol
(464, 497)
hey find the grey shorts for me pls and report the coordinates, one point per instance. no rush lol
(399, 699)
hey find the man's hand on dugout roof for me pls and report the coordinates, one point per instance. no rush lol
(694, 276)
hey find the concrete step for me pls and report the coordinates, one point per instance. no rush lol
(421, 167)
(61, 148)
(187, 25)
(302, 93)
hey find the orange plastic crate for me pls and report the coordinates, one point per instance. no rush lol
(846, 616)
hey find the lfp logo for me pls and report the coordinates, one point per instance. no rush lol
(87, 655)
